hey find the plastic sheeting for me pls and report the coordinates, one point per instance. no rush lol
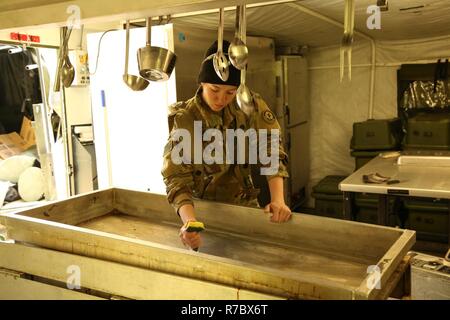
(19, 89)
(424, 94)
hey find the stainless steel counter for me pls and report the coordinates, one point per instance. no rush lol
(308, 257)
(417, 175)
(415, 180)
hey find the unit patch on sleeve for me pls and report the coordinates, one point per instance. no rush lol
(268, 116)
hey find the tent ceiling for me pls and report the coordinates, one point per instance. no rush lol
(290, 26)
(23, 4)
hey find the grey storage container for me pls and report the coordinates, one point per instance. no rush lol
(385, 134)
(428, 131)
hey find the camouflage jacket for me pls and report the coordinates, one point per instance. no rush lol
(227, 181)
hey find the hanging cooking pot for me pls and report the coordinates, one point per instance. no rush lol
(155, 63)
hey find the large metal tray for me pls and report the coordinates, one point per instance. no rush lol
(309, 257)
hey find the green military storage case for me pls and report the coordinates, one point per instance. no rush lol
(385, 134)
(429, 218)
(329, 205)
(328, 197)
(362, 157)
(428, 131)
(366, 206)
(329, 185)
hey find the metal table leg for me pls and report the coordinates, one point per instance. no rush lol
(448, 229)
(383, 211)
(348, 205)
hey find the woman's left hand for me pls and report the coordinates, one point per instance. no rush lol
(280, 211)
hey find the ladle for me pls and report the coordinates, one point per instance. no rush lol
(68, 71)
(57, 84)
(238, 51)
(220, 62)
(244, 96)
(135, 83)
(347, 39)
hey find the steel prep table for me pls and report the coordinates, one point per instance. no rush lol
(415, 180)
(125, 244)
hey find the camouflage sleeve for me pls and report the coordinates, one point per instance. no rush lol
(266, 119)
(178, 177)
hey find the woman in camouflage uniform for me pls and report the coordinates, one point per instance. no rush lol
(214, 106)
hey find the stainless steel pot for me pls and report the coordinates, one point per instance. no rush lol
(155, 63)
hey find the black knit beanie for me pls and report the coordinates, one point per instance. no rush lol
(207, 73)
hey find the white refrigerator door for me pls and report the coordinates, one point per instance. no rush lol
(135, 121)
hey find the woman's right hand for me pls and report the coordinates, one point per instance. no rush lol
(190, 239)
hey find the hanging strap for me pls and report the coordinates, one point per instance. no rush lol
(441, 73)
(444, 76)
(437, 73)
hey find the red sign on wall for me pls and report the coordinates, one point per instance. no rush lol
(24, 37)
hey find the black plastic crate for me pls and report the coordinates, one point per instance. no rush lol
(428, 131)
(385, 134)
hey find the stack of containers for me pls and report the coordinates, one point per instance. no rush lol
(328, 198)
(428, 131)
(369, 139)
(372, 137)
(429, 217)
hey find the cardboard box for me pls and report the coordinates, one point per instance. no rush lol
(27, 132)
(11, 144)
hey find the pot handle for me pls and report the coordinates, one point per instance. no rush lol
(127, 46)
(220, 33)
(149, 31)
(243, 24)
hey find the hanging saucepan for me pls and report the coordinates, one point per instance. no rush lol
(155, 63)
